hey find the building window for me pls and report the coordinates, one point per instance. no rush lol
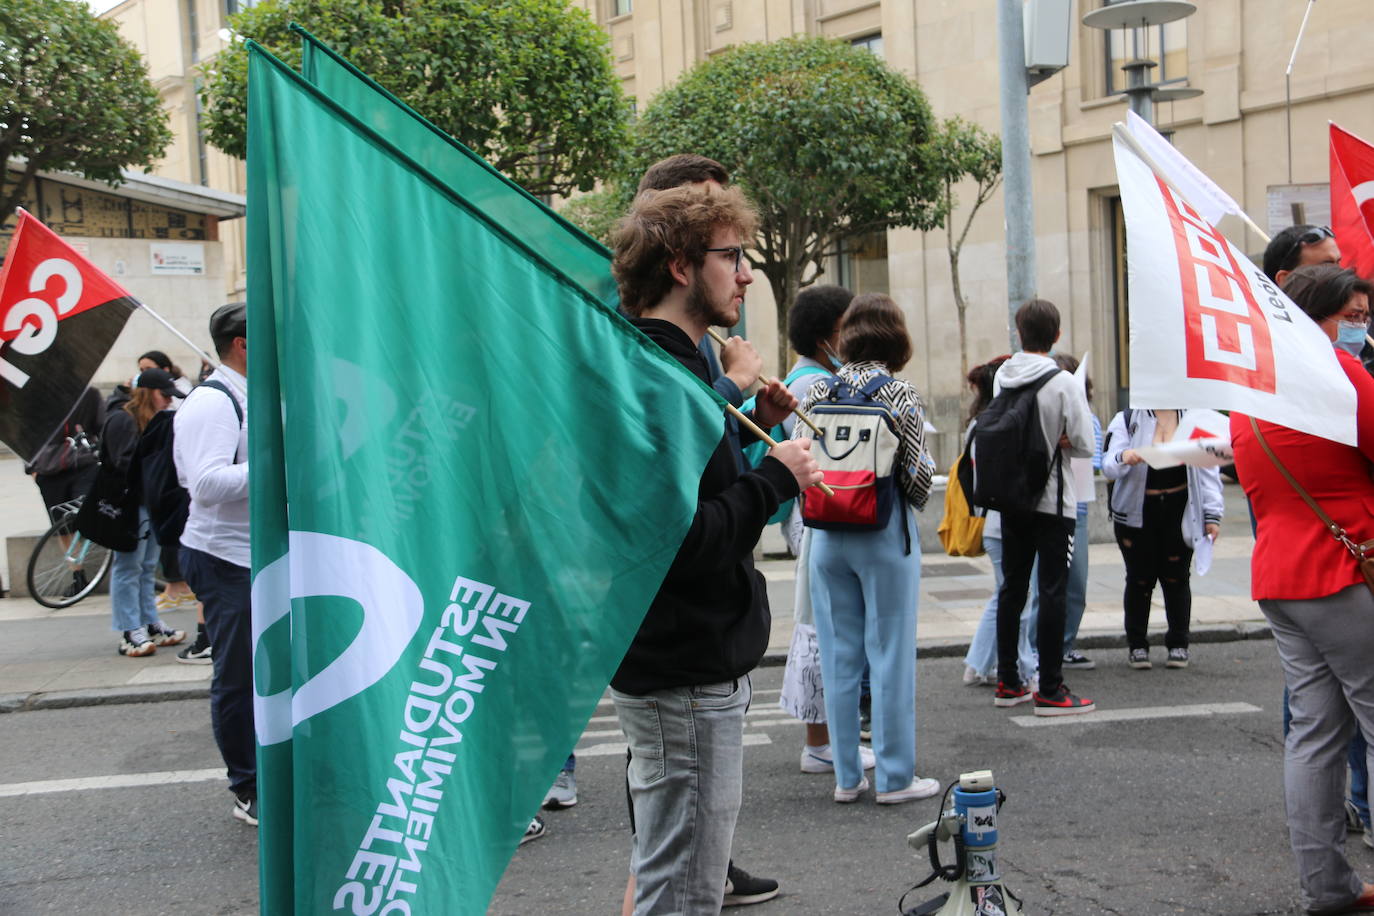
(1166, 45)
(862, 264)
(871, 43)
(1121, 310)
(621, 7)
(237, 6)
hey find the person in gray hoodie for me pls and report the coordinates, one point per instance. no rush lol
(1045, 532)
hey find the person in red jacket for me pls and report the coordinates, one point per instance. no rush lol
(1314, 596)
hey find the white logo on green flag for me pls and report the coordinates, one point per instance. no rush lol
(443, 419)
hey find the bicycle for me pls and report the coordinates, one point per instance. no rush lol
(65, 565)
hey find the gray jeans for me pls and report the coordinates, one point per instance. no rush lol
(685, 774)
(1325, 645)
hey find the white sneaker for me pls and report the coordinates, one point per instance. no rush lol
(137, 643)
(919, 788)
(849, 796)
(818, 759)
(973, 679)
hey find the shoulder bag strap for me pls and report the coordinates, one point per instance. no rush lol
(1336, 531)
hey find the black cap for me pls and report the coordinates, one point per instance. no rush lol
(158, 380)
(229, 321)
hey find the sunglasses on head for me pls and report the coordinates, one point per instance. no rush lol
(1310, 237)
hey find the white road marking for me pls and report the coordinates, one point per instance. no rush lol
(617, 748)
(125, 781)
(1140, 712)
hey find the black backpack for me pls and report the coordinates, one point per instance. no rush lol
(1011, 461)
(154, 469)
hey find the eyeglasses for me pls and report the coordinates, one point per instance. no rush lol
(1310, 237)
(738, 252)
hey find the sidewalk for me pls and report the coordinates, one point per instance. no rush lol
(68, 657)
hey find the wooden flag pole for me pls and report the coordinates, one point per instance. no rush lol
(766, 439)
(800, 416)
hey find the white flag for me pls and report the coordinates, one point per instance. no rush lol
(1208, 329)
(1199, 453)
(1204, 194)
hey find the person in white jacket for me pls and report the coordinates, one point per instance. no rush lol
(1045, 529)
(1160, 516)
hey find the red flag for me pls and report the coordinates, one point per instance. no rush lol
(1352, 200)
(59, 316)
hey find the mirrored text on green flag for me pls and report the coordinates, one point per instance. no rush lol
(469, 477)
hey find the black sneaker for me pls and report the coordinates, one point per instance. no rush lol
(1139, 658)
(198, 652)
(742, 888)
(534, 831)
(1061, 703)
(246, 809)
(1178, 658)
(79, 582)
(866, 718)
(1076, 659)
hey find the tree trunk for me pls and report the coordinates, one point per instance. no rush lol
(15, 196)
(783, 284)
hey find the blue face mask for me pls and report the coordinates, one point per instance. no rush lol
(1350, 337)
(830, 355)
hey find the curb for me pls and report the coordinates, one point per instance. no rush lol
(100, 696)
(958, 647)
(926, 648)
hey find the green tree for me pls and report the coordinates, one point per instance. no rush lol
(965, 151)
(826, 139)
(527, 84)
(74, 97)
(596, 213)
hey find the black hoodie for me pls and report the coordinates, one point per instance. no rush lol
(120, 433)
(709, 621)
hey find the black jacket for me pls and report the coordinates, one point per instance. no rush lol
(709, 621)
(120, 433)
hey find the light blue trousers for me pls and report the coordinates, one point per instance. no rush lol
(1076, 591)
(864, 589)
(982, 651)
(133, 602)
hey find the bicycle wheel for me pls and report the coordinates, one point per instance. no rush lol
(65, 565)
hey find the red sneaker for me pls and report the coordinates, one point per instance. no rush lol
(1011, 696)
(1062, 703)
(1362, 904)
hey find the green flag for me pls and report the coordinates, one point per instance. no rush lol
(469, 477)
(558, 242)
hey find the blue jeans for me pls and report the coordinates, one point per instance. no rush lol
(982, 651)
(133, 603)
(864, 588)
(223, 588)
(1076, 592)
(685, 778)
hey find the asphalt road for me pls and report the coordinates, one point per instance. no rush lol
(1178, 814)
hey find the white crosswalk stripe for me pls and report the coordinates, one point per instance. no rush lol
(126, 781)
(617, 748)
(1138, 713)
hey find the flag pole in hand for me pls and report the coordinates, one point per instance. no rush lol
(800, 416)
(766, 439)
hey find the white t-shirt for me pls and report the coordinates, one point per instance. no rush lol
(211, 452)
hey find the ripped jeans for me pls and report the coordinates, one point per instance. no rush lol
(1157, 552)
